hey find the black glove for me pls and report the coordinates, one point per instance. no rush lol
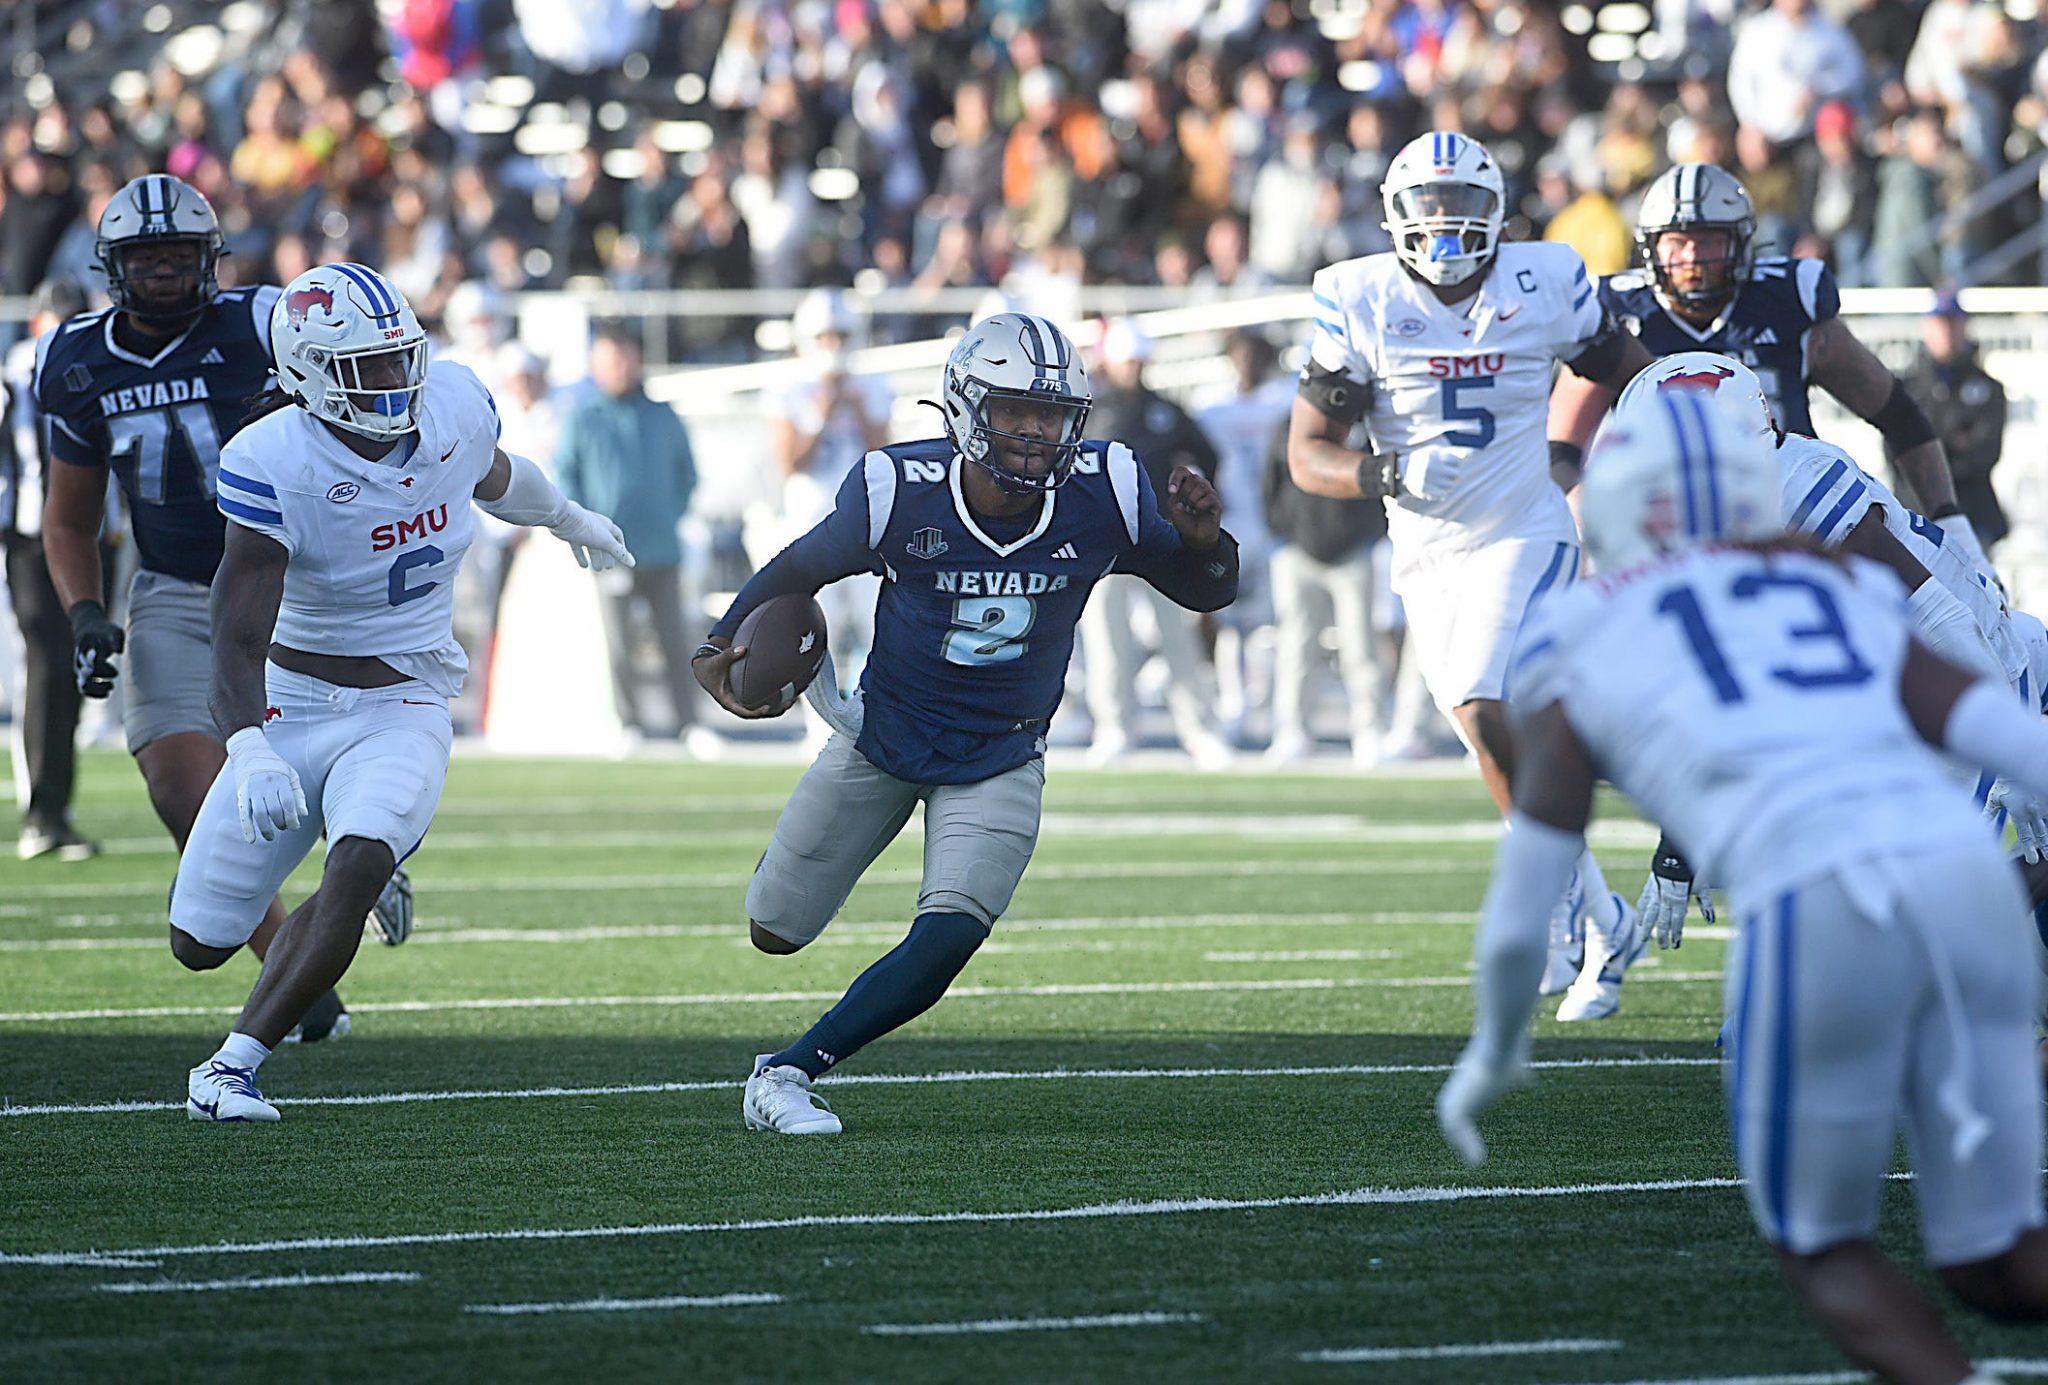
(95, 641)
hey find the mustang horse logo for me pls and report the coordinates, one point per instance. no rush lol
(1707, 379)
(299, 302)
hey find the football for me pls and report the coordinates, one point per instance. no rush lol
(785, 642)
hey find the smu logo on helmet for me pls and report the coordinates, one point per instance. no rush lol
(299, 302)
(1709, 379)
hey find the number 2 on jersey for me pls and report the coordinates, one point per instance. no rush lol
(148, 436)
(990, 629)
(1683, 604)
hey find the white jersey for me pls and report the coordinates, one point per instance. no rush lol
(374, 545)
(1750, 704)
(1826, 495)
(1461, 392)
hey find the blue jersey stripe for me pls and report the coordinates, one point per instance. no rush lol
(1337, 332)
(243, 483)
(1327, 303)
(1580, 301)
(1813, 497)
(1824, 531)
(231, 506)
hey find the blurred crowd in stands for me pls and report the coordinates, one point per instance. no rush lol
(1212, 146)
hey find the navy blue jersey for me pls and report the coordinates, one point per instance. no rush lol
(1764, 327)
(159, 421)
(974, 626)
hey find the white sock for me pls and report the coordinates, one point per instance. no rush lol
(242, 1051)
(1598, 911)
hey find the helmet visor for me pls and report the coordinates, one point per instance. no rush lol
(1446, 201)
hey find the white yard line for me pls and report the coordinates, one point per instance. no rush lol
(1558, 1346)
(1327, 954)
(866, 1080)
(272, 1281)
(444, 932)
(556, 883)
(623, 1305)
(995, 1325)
(601, 1002)
(1353, 1197)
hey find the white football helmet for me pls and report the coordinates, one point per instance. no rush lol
(1015, 356)
(1676, 471)
(1698, 197)
(1445, 204)
(1734, 387)
(347, 346)
(157, 208)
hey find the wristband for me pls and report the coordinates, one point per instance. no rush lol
(705, 651)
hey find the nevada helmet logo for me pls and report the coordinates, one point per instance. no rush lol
(1697, 379)
(299, 302)
(803, 646)
(926, 543)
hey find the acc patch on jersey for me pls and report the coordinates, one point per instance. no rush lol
(341, 492)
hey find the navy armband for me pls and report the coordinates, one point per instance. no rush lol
(1335, 395)
(1600, 357)
(1902, 421)
(1569, 454)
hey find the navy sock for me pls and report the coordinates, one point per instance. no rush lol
(890, 994)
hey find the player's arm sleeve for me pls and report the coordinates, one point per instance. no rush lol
(1333, 349)
(1595, 345)
(246, 497)
(1198, 581)
(843, 543)
(68, 438)
(1820, 297)
(261, 304)
(1826, 499)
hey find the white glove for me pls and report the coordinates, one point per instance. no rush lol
(1958, 530)
(268, 795)
(1663, 907)
(595, 540)
(2029, 817)
(1476, 1083)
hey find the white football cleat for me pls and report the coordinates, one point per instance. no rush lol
(780, 1099)
(391, 919)
(217, 1092)
(1596, 994)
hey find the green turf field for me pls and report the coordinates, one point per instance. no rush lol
(1185, 1091)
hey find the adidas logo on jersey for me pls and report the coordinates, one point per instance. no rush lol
(213, 357)
(1767, 337)
(1066, 550)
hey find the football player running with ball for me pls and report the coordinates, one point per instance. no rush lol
(988, 542)
(348, 505)
(1740, 685)
(1444, 350)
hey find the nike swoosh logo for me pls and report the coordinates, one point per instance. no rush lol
(1509, 313)
(449, 453)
